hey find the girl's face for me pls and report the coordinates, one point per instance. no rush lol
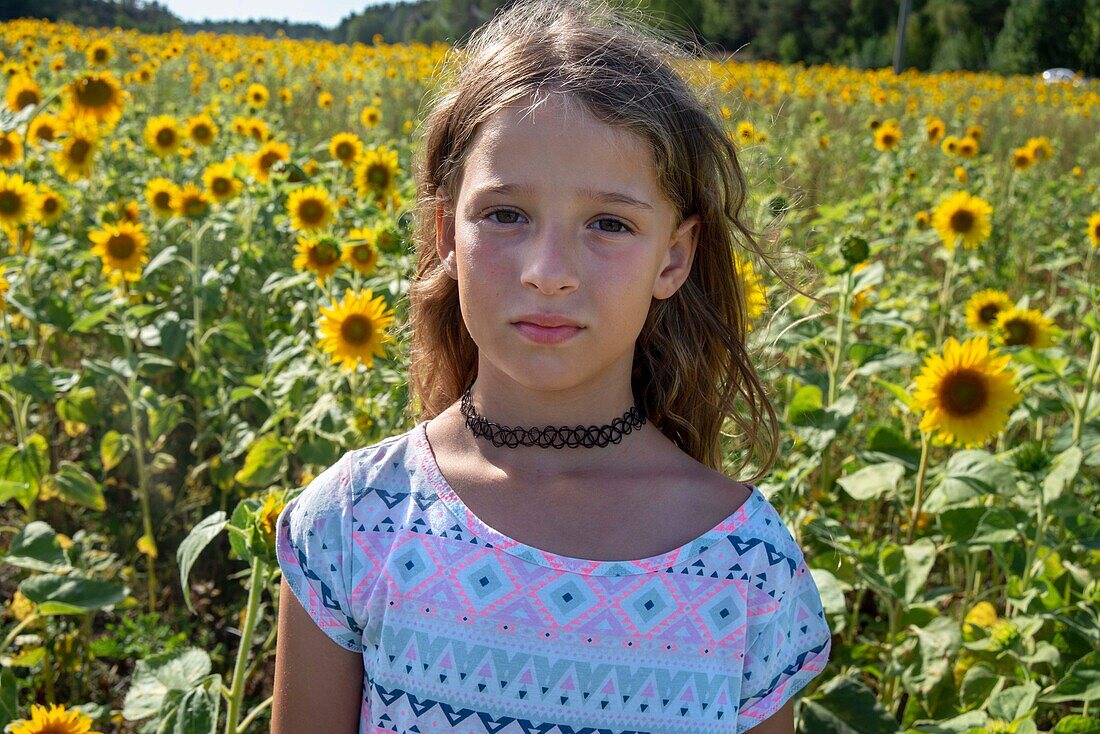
(560, 215)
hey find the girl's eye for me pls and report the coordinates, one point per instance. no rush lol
(622, 225)
(506, 213)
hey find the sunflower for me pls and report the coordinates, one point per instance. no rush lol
(962, 218)
(257, 95)
(99, 52)
(51, 205)
(122, 247)
(23, 92)
(950, 145)
(1093, 229)
(98, 96)
(1026, 327)
(1022, 158)
(983, 307)
(324, 100)
(370, 116)
(43, 128)
(5, 286)
(360, 252)
(923, 219)
(967, 147)
(257, 129)
(746, 132)
(755, 297)
(934, 129)
(265, 158)
(345, 147)
(159, 193)
(975, 131)
(354, 329)
(53, 720)
(319, 255)
(269, 512)
(310, 209)
(11, 148)
(201, 129)
(79, 145)
(377, 173)
(966, 394)
(888, 136)
(220, 182)
(162, 134)
(190, 201)
(1040, 148)
(19, 202)
(961, 175)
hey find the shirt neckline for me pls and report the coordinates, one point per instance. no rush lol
(474, 525)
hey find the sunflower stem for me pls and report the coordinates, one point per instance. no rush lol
(918, 498)
(1080, 414)
(945, 294)
(236, 692)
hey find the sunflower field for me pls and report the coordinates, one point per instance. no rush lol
(205, 248)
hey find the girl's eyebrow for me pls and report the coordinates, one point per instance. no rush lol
(604, 197)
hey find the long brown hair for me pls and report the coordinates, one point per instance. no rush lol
(692, 368)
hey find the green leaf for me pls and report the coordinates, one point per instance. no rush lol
(897, 391)
(1077, 724)
(1080, 683)
(968, 475)
(889, 443)
(960, 523)
(113, 449)
(846, 706)
(265, 462)
(89, 321)
(22, 470)
(78, 487)
(939, 642)
(189, 550)
(79, 405)
(873, 482)
(157, 675)
(977, 684)
(70, 594)
(158, 261)
(36, 547)
(1014, 703)
(197, 710)
(919, 558)
(1063, 470)
(9, 697)
(35, 380)
(996, 526)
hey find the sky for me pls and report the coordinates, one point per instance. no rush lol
(326, 12)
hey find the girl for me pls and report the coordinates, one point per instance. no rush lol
(553, 547)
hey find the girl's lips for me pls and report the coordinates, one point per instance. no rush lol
(546, 334)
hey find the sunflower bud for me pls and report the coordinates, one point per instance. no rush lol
(854, 249)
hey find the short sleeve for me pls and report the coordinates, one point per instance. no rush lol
(313, 549)
(785, 650)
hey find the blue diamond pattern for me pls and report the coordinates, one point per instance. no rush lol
(412, 566)
(649, 605)
(566, 599)
(485, 582)
(723, 614)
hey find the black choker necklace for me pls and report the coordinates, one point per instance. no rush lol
(558, 437)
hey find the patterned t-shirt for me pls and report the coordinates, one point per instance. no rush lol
(463, 629)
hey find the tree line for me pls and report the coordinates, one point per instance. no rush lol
(1014, 37)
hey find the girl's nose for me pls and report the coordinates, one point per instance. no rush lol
(549, 261)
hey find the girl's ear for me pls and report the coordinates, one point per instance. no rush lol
(681, 253)
(445, 239)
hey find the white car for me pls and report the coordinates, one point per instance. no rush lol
(1061, 74)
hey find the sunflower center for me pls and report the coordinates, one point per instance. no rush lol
(162, 199)
(357, 329)
(10, 202)
(1018, 332)
(93, 92)
(44, 132)
(311, 211)
(378, 177)
(362, 253)
(100, 55)
(200, 132)
(49, 205)
(325, 254)
(79, 151)
(6, 147)
(962, 220)
(343, 151)
(194, 206)
(988, 313)
(24, 98)
(166, 137)
(963, 393)
(121, 246)
(220, 186)
(267, 160)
